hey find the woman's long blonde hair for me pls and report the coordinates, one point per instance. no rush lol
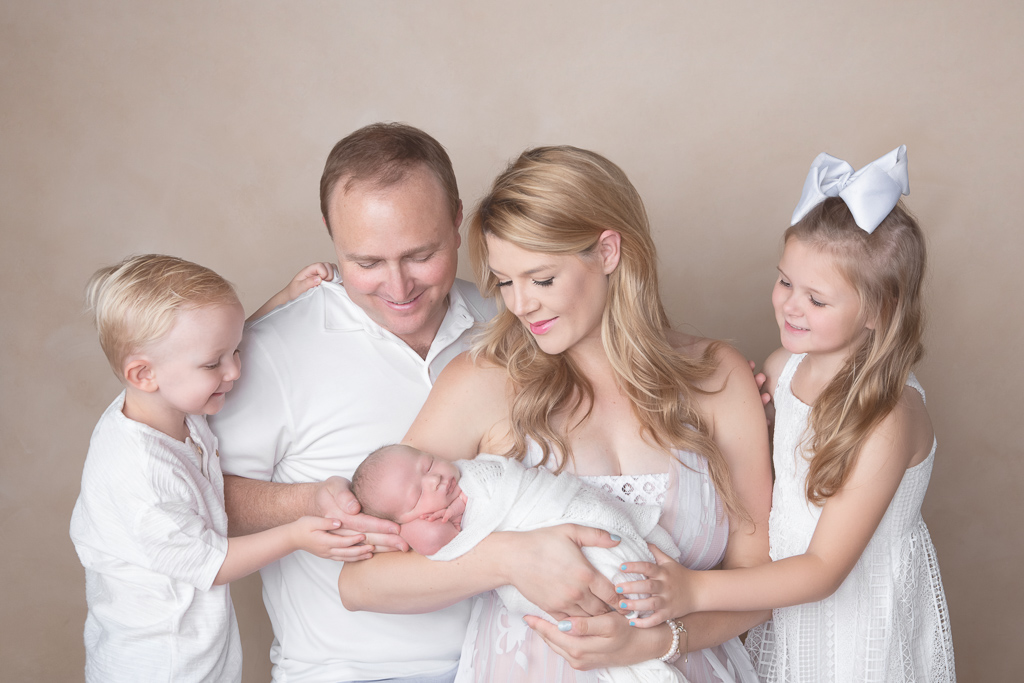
(559, 200)
(886, 268)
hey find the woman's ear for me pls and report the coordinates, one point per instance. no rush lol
(608, 245)
(138, 373)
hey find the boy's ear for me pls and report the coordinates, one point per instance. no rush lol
(138, 372)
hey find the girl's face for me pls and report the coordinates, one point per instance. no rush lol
(559, 298)
(817, 309)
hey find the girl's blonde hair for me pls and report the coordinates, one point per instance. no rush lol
(886, 268)
(559, 200)
(137, 301)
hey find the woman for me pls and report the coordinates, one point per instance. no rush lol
(580, 371)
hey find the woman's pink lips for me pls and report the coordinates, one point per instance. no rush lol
(542, 326)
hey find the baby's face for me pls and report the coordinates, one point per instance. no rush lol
(416, 483)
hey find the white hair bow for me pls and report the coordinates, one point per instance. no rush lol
(871, 193)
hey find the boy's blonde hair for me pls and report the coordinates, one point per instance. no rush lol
(137, 301)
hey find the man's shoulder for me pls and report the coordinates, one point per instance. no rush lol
(480, 308)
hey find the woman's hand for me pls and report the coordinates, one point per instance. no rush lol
(602, 641)
(668, 584)
(548, 567)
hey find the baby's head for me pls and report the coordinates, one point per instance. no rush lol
(401, 483)
(170, 324)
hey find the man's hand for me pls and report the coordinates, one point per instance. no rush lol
(333, 498)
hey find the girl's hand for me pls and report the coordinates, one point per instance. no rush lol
(669, 584)
(314, 535)
(602, 641)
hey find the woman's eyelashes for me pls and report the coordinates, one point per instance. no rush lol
(539, 283)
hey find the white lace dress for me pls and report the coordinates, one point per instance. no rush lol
(500, 648)
(888, 622)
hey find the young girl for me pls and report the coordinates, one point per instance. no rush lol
(854, 583)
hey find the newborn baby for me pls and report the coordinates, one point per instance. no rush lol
(446, 508)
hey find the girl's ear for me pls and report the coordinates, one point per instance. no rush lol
(138, 372)
(608, 245)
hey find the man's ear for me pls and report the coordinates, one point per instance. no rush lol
(608, 245)
(138, 372)
(458, 224)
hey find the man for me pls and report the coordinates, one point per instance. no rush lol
(337, 373)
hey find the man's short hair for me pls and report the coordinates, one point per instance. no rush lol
(383, 154)
(137, 301)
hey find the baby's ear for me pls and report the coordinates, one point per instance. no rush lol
(138, 372)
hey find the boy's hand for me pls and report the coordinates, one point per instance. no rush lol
(309, 277)
(313, 534)
(334, 499)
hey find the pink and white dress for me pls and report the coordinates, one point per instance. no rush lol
(500, 648)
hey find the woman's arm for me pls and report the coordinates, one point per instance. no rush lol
(464, 414)
(408, 583)
(738, 427)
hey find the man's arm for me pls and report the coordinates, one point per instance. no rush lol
(254, 505)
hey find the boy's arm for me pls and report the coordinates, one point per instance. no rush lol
(427, 537)
(246, 554)
(307, 278)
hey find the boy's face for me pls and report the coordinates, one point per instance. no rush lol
(416, 483)
(197, 362)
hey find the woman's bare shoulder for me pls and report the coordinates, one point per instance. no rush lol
(467, 369)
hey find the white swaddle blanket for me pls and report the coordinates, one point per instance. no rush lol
(504, 495)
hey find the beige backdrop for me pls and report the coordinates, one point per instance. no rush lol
(200, 129)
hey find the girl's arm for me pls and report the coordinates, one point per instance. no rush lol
(307, 278)
(846, 525)
(466, 408)
(246, 554)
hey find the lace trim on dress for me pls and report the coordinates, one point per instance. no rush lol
(638, 489)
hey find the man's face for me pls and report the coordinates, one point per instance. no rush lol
(397, 249)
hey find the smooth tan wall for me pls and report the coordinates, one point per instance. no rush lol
(200, 129)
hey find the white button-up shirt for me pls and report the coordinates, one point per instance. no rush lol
(322, 386)
(151, 531)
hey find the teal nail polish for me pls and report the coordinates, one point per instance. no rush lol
(564, 626)
(622, 605)
(618, 589)
(632, 623)
(623, 567)
(616, 537)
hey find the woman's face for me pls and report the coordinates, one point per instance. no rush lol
(560, 299)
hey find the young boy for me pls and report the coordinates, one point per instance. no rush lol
(149, 525)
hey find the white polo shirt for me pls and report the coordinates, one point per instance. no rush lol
(323, 385)
(151, 531)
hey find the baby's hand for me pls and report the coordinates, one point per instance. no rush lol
(313, 534)
(666, 589)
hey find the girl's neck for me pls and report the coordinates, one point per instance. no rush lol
(146, 408)
(814, 374)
